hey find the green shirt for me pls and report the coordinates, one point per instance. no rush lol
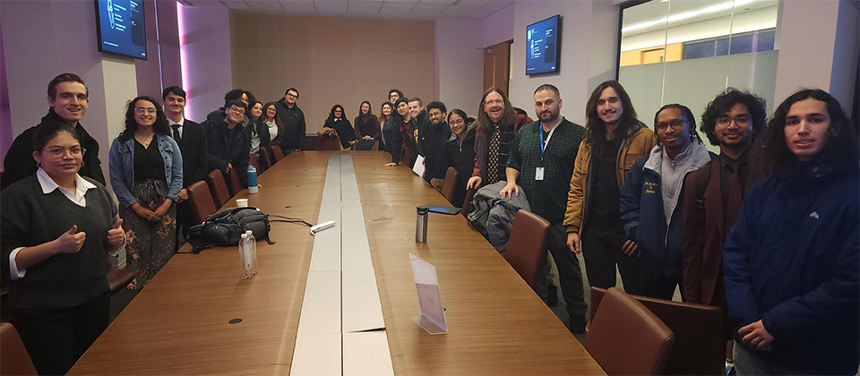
(547, 197)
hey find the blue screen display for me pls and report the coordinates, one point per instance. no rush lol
(122, 29)
(542, 40)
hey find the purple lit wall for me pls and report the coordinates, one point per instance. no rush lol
(5, 116)
(207, 68)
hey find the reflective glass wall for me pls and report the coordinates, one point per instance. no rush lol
(688, 51)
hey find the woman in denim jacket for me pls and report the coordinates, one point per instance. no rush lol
(146, 175)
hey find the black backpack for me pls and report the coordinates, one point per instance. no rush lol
(227, 226)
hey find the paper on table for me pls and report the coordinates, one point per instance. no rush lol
(432, 317)
(418, 168)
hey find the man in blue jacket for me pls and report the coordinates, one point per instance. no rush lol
(791, 265)
(651, 200)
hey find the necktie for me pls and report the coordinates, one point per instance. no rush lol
(493, 162)
(176, 135)
(736, 194)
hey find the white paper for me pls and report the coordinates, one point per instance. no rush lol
(418, 168)
(432, 317)
(366, 353)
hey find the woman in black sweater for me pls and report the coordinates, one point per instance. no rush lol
(58, 229)
(337, 121)
(460, 152)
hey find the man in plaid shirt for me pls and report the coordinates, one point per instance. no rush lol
(541, 161)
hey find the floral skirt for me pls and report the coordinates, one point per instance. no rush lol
(150, 244)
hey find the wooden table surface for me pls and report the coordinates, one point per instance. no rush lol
(179, 323)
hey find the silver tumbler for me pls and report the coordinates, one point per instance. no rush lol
(421, 225)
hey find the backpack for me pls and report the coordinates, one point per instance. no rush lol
(227, 226)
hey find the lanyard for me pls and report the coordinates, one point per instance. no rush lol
(548, 136)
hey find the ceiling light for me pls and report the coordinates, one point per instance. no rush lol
(685, 15)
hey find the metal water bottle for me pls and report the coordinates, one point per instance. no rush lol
(421, 225)
(252, 179)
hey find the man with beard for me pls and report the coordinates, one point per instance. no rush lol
(614, 140)
(431, 140)
(68, 99)
(541, 160)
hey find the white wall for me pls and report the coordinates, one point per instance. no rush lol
(589, 37)
(459, 63)
(207, 49)
(499, 27)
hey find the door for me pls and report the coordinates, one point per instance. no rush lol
(497, 66)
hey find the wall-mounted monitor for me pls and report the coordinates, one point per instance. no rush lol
(543, 39)
(121, 27)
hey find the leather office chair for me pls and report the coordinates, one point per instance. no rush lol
(625, 338)
(324, 142)
(265, 158)
(526, 249)
(699, 347)
(252, 160)
(279, 154)
(234, 185)
(449, 186)
(14, 358)
(118, 278)
(220, 194)
(201, 202)
(467, 201)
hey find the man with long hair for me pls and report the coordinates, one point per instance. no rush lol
(791, 260)
(714, 193)
(493, 138)
(649, 203)
(614, 140)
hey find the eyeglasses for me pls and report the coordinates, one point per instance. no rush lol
(59, 152)
(141, 110)
(293, 96)
(494, 101)
(455, 122)
(741, 120)
(676, 124)
(237, 110)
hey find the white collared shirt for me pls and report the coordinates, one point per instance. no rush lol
(78, 197)
(180, 122)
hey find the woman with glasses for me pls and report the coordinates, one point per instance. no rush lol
(58, 229)
(146, 175)
(460, 152)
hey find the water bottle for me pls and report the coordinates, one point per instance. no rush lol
(252, 179)
(247, 256)
(421, 225)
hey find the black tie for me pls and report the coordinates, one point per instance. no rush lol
(176, 135)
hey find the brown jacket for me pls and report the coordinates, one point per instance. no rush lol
(637, 143)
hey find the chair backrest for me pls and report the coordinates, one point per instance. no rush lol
(279, 154)
(467, 201)
(526, 249)
(233, 182)
(699, 347)
(252, 160)
(327, 143)
(218, 187)
(265, 158)
(449, 186)
(625, 338)
(14, 358)
(201, 202)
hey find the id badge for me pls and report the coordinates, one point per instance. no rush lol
(539, 173)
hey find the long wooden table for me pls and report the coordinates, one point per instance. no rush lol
(180, 323)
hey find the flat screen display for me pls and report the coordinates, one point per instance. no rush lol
(542, 46)
(121, 27)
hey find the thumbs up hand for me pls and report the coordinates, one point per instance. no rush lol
(116, 235)
(70, 241)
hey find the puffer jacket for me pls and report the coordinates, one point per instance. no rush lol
(493, 216)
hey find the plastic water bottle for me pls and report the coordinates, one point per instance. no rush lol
(252, 179)
(248, 255)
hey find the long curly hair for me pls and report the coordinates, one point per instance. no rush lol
(484, 121)
(841, 150)
(595, 128)
(131, 125)
(724, 102)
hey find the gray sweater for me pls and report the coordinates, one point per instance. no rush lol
(30, 218)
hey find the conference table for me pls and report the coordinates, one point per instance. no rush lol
(197, 316)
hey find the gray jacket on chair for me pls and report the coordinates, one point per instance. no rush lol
(493, 216)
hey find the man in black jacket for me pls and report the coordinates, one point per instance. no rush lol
(193, 145)
(432, 139)
(293, 120)
(229, 143)
(68, 98)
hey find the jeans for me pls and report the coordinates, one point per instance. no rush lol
(748, 363)
(570, 276)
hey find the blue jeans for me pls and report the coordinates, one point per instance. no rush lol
(748, 363)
